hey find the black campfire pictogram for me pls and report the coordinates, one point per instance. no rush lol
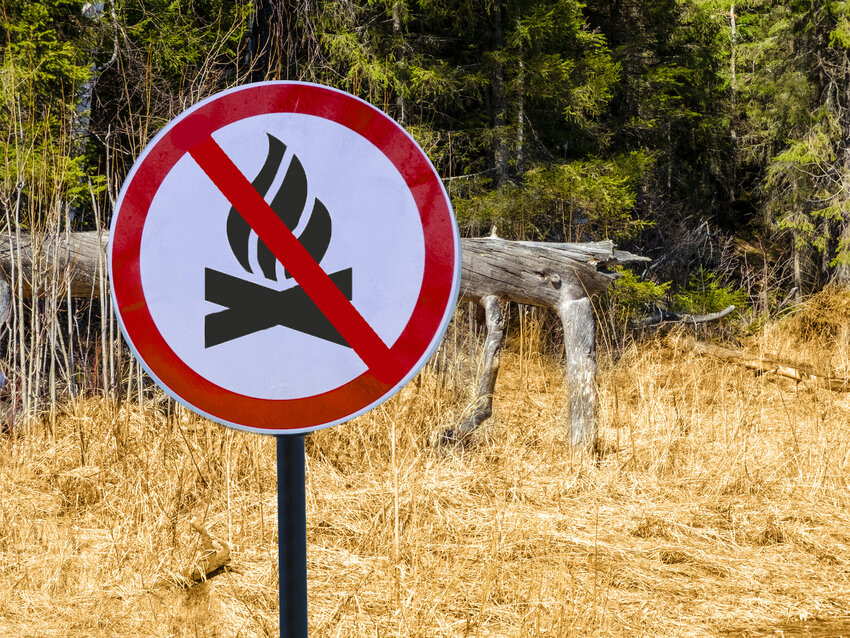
(251, 307)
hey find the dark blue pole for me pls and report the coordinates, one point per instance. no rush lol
(292, 536)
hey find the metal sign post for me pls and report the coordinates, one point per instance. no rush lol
(292, 535)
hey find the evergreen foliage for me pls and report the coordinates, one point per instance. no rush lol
(705, 293)
(636, 297)
(662, 124)
(794, 107)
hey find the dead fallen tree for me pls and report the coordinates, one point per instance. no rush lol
(561, 276)
(771, 365)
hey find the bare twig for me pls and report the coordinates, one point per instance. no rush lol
(664, 316)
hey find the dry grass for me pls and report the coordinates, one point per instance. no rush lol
(718, 506)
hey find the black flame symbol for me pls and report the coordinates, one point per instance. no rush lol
(288, 203)
(251, 307)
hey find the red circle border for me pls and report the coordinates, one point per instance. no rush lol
(441, 268)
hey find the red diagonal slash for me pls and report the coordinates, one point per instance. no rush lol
(295, 258)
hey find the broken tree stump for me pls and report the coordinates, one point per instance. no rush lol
(483, 408)
(580, 345)
(560, 276)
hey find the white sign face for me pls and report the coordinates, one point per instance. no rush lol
(283, 257)
(375, 232)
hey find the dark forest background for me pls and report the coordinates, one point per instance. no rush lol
(711, 136)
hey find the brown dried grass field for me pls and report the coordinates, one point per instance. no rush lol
(717, 505)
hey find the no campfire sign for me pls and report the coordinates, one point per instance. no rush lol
(283, 257)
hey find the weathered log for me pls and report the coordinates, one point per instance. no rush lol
(771, 364)
(76, 258)
(536, 273)
(533, 273)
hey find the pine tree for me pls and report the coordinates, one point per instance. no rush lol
(795, 87)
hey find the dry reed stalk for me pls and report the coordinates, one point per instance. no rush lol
(507, 539)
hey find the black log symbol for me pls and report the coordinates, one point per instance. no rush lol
(252, 307)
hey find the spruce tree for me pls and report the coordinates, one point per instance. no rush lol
(794, 92)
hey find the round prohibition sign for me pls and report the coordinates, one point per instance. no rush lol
(283, 257)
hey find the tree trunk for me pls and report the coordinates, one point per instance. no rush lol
(798, 268)
(842, 270)
(266, 38)
(398, 52)
(520, 118)
(534, 273)
(498, 101)
(733, 133)
(558, 276)
(81, 257)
